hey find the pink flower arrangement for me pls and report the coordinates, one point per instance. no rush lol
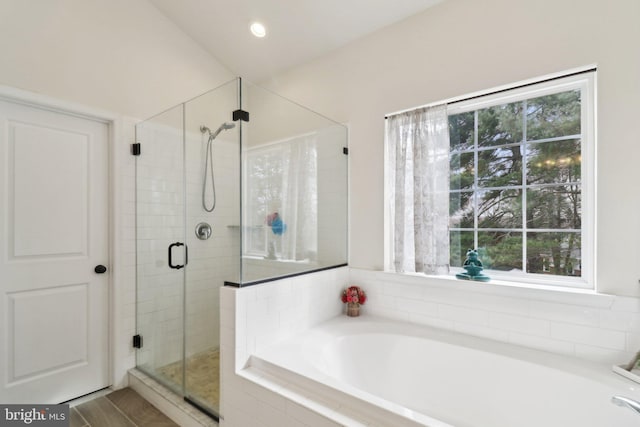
(353, 294)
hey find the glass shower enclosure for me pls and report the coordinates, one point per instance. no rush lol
(236, 186)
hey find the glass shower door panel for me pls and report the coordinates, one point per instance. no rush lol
(294, 188)
(160, 246)
(212, 159)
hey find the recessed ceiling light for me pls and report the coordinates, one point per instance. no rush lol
(257, 29)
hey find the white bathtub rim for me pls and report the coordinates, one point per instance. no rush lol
(370, 324)
(286, 355)
(333, 400)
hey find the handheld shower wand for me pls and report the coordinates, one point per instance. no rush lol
(224, 126)
(208, 164)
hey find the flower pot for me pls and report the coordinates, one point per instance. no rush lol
(353, 309)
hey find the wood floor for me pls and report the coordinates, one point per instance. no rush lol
(122, 408)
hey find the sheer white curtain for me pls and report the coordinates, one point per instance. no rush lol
(418, 152)
(299, 209)
(281, 195)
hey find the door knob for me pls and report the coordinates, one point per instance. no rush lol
(100, 269)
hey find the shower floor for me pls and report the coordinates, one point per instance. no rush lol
(202, 377)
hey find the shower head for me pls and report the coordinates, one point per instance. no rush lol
(224, 126)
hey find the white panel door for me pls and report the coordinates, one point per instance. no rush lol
(53, 233)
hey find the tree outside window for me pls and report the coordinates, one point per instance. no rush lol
(516, 187)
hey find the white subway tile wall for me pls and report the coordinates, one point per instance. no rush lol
(161, 198)
(259, 316)
(160, 219)
(601, 328)
(216, 260)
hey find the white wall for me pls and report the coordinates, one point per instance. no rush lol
(119, 56)
(462, 46)
(332, 196)
(599, 328)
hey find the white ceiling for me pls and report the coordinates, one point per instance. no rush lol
(297, 30)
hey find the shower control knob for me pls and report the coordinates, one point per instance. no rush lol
(100, 269)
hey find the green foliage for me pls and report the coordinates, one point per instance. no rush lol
(503, 250)
(550, 161)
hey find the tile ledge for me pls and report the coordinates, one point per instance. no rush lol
(565, 295)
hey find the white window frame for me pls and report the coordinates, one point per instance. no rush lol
(583, 80)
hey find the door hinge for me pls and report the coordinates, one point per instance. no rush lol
(137, 341)
(240, 115)
(135, 149)
(345, 151)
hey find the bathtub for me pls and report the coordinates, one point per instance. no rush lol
(422, 376)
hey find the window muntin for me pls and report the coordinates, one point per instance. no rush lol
(541, 131)
(521, 175)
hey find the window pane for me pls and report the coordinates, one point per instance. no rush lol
(554, 207)
(264, 175)
(553, 115)
(459, 243)
(500, 209)
(256, 240)
(500, 125)
(461, 171)
(500, 167)
(500, 250)
(554, 253)
(516, 170)
(554, 162)
(461, 131)
(461, 209)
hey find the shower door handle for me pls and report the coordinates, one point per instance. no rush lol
(186, 255)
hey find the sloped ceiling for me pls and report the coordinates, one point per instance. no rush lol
(298, 30)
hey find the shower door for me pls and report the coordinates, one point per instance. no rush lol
(188, 240)
(212, 159)
(160, 238)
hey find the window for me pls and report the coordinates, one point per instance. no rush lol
(521, 182)
(281, 200)
(264, 183)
